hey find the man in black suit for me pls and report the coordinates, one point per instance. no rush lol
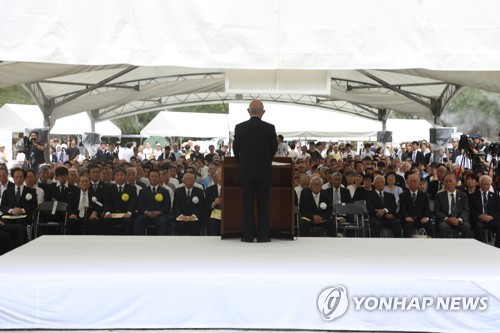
(153, 204)
(212, 202)
(18, 201)
(414, 209)
(101, 152)
(452, 210)
(4, 180)
(316, 209)
(437, 185)
(83, 211)
(61, 189)
(416, 155)
(188, 206)
(485, 211)
(382, 209)
(121, 198)
(337, 193)
(98, 188)
(254, 146)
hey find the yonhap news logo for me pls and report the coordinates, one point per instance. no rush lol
(333, 302)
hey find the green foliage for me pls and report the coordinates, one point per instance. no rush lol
(208, 108)
(14, 95)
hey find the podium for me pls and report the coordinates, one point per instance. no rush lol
(281, 202)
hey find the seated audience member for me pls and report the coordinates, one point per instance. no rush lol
(358, 182)
(414, 208)
(382, 209)
(131, 175)
(121, 198)
(452, 210)
(316, 209)
(18, 204)
(188, 206)
(164, 183)
(303, 184)
(213, 201)
(83, 212)
(73, 176)
(436, 185)
(361, 192)
(61, 189)
(391, 186)
(4, 180)
(209, 179)
(153, 204)
(337, 193)
(5, 242)
(211, 153)
(485, 211)
(31, 182)
(98, 187)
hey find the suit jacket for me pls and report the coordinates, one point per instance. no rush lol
(254, 147)
(416, 210)
(373, 201)
(147, 201)
(114, 203)
(185, 206)
(110, 156)
(9, 185)
(100, 193)
(419, 158)
(345, 195)
(54, 193)
(9, 200)
(211, 193)
(434, 188)
(476, 206)
(308, 207)
(100, 155)
(74, 203)
(441, 206)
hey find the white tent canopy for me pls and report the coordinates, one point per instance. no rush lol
(18, 117)
(291, 121)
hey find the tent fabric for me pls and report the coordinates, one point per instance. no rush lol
(166, 54)
(291, 121)
(438, 35)
(18, 117)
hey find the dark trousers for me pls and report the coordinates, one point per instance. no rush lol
(16, 229)
(213, 227)
(142, 221)
(5, 245)
(83, 226)
(446, 230)
(408, 228)
(306, 226)
(481, 227)
(189, 228)
(255, 192)
(377, 223)
(110, 226)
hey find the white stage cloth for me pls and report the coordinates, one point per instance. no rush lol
(97, 282)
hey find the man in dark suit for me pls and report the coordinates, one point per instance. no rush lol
(337, 193)
(316, 209)
(98, 188)
(4, 180)
(101, 152)
(254, 146)
(188, 206)
(452, 210)
(61, 189)
(485, 211)
(382, 209)
(212, 202)
(414, 209)
(416, 155)
(83, 212)
(153, 204)
(18, 201)
(121, 198)
(437, 185)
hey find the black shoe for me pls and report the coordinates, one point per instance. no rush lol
(247, 240)
(264, 240)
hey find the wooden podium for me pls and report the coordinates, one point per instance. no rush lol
(281, 202)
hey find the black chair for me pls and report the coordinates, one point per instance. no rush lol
(45, 216)
(356, 224)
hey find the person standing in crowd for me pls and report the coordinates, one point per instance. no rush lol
(282, 147)
(72, 152)
(254, 146)
(34, 152)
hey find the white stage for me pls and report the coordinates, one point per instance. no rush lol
(92, 282)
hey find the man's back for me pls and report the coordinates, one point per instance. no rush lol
(254, 147)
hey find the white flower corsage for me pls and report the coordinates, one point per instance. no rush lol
(195, 200)
(29, 197)
(94, 199)
(322, 205)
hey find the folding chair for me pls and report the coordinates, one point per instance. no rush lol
(362, 204)
(357, 212)
(46, 209)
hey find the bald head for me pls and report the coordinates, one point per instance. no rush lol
(256, 108)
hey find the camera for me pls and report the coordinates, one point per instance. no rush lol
(494, 149)
(466, 144)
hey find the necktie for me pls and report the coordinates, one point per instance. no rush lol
(62, 188)
(440, 187)
(119, 189)
(414, 196)
(18, 195)
(84, 205)
(414, 156)
(336, 197)
(189, 194)
(485, 203)
(453, 206)
(154, 190)
(95, 187)
(381, 195)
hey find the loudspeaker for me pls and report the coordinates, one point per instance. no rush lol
(384, 136)
(440, 135)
